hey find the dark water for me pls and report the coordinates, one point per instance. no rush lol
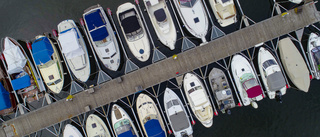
(297, 116)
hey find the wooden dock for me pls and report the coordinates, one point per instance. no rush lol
(163, 70)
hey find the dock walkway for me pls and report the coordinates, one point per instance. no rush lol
(164, 70)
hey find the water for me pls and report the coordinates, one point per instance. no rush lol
(296, 116)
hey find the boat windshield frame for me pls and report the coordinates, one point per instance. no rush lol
(188, 3)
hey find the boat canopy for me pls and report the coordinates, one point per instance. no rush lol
(4, 98)
(276, 81)
(131, 23)
(154, 129)
(14, 57)
(70, 44)
(160, 15)
(42, 50)
(21, 82)
(254, 91)
(96, 25)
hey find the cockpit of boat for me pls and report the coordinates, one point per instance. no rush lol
(123, 126)
(149, 117)
(249, 83)
(131, 26)
(188, 3)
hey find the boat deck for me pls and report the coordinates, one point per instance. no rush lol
(164, 70)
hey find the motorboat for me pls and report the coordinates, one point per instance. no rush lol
(194, 17)
(95, 127)
(122, 123)
(162, 22)
(102, 37)
(198, 99)
(313, 51)
(47, 59)
(246, 81)
(134, 31)
(221, 90)
(294, 64)
(224, 11)
(149, 116)
(21, 73)
(176, 114)
(271, 74)
(74, 49)
(71, 131)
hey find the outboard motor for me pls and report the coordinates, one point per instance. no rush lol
(184, 134)
(279, 96)
(229, 112)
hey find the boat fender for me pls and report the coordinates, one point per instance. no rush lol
(216, 113)
(81, 21)
(239, 104)
(254, 104)
(311, 77)
(193, 122)
(29, 45)
(170, 132)
(137, 2)
(54, 32)
(109, 11)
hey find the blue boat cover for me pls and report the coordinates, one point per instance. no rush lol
(42, 50)
(21, 82)
(95, 20)
(127, 134)
(4, 98)
(154, 129)
(99, 34)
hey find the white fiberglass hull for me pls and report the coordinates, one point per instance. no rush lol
(176, 113)
(119, 114)
(198, 99)
(107, 49)
(165, 30)
(71, 131)
(240, 66)
(79, 65)
(96, 127)
(139, 45)
(226, 14)
(194, 18)
(147, 111)
(294, 64)
(314, 44)
(263, 57)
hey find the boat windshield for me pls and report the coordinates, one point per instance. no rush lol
(316, 56)
(172, 103)
(54, 82)
(188, 3)
(194, 89)
(123, 126)
(268, 63)
(249, 83)
(131, 26)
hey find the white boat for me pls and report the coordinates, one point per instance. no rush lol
(74, 49)
(134, 31)
(95, 127)
(198, 99)
(246, 81)
(224, 11)
(149, 116)
(296, 1)
(21, 73)
(294, 64)
(221, 90)
(176, 114)
(313, 51)
(102, 37)
(71, 131)
(122, 123)
(194, 17)
(47, 59)
(271, 74)
(162, 22)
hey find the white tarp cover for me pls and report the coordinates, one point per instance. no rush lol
(14, 57)
(70, 44)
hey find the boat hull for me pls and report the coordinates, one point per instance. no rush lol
(119, 114)
(314, 44)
